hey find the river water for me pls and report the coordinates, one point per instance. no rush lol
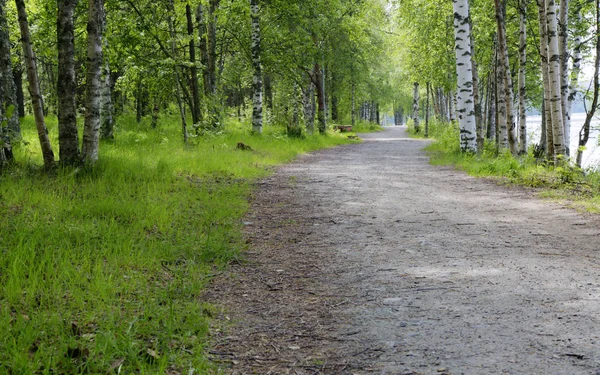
(591, 156)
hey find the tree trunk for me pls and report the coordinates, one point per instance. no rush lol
(416, 106)
(427, 112)
(563, 50)
(257, 98)
(506, 76)
(309, 107)
(584, 133)
(195, 107)
(501, 129)
(549, 146)
(18, 78)
(34, 86)
(68, 137)
(178, 83)
(558, 135)
(353, 115)
(202, 32)
(522, 66)
(317, 78)
(212, 45)
(9, 115)
(107, 119)
(464, 72)
(268, 92)
(91, 129)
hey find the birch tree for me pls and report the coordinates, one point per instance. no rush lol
(34, 86)
(563, 50)
(465, 101)
(68, 137)
(9, 116)
(91, 129)
(522, 149)
(554, 72)
(504, 65)
(415, 106)
(257, 97)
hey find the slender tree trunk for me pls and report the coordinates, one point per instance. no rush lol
(464, 72)
(257, 107)
(584, 133)
(522, 68)
(107, 119)
(309, 107)
(508, 92)
(550, 152)
(178, 83)
(427, 111)
(353, 104)
(558, 135)
(501, 124)
(268, 92)
(9, 114)
(477, 102)
(68, 137)
(18, 79)
(212, 45)
(416, 106)
(563, 50)
(202, 32)
(91, 129)
(34, 86)
(193, 69)
(317, 78)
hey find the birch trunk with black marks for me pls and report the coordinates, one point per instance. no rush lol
(501, 129)
(107, 119)
(464, 71)
(10, 129)
(34, 86)
(546, 107)
(91, 128)
(506, 76)
(584, 133)
(257, 97)
(68, 137)
(563, 50)
(558, 136)
(477, 103)
(522, 149)
(415, 106)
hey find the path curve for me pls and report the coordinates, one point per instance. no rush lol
(365, 259)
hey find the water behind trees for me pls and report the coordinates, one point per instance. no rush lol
(591, 156)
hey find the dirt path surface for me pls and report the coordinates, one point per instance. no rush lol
(365, 259)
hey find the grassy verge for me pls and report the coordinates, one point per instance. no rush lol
(101, 270)
(568, 184)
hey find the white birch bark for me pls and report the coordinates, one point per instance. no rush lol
(501, 129)
(257, 97)
(563, 23)
(34, 86)
(465, 103)
(91, 129)
(555, 89)
(9, 114)
(549, 146)
(522, 67)
(506, 77)
(416, 107)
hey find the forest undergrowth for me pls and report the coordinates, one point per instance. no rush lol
(568, 184)
(102, 269)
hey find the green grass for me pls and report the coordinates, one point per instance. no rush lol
(568, 184)
(104, 269)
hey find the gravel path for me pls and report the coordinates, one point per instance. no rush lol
(365, 259)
